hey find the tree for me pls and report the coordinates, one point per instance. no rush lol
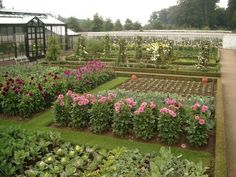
(154, 22)
(1, 5)
(187, 14)
(73, 24)
(86, 25)
(118, 26)
(59, 17)
(97, 24)
(128, 24)
(108, 25)
(220, 17)
(231, 14)
(137, 26)
(54, 48)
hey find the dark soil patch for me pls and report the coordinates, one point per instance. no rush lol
(182, 87)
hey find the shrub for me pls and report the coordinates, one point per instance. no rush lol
(54, 49)
(197, 131)
(94, 47)
(144, 121)
(101, 115)
(62, 109)
(18, 147)
(166, 164)
(80, 114)
(198, 125)
(169, 125)
(123, 117)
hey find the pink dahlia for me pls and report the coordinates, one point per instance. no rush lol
(202, 122)
(204, 108)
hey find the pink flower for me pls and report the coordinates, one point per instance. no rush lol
(183, 146)
(130, 102)
(141, 109)
(172, 113)
(117, 106)
(170, 101)
(144, 104)
(202, 122)
(204, 108)
(152, 105)
(164, 110)
(69, 93)
(67, 73)
(102, 99)
(197, 118)
(196, 106)
(113, 95)
(60, 97)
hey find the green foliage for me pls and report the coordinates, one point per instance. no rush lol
(122, 121)
(80, 51)
(118, 26)
(101, 117)
(54, 48)
(122, 56)
(62, 112)
(18, 146)
(97, 24)
(168, 165)
(94, 47)
(107, 46)
(169, 128)
(203, 58)
(80, 116)
(139, 48)
(197, 134)
(144, 124)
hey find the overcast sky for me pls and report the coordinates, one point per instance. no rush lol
(136, 10)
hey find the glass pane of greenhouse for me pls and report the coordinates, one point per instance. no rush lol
(25, 34)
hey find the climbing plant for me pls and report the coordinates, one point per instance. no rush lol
(203, 57)
(81, 47)
(107, 46)
(138, 48)
(54, 49)
(122, 56)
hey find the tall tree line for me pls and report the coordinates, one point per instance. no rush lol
(99, 24)
(200, 14)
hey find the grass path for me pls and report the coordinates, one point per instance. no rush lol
(42, 120)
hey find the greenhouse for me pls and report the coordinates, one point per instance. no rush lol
(25, 34)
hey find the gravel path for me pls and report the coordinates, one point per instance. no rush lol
(229, 90)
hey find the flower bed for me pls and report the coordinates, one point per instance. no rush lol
(143, 116)
(50, 157)
(181, 87)
(28, 90)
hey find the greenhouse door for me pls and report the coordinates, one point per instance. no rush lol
(35, 39)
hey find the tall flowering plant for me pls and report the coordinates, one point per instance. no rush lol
(169, 124)
(122, 118)
(87, 77)
(101, 113)
(144, 121)
(80, 109)
(198, 125)
(11, 92)
(62, 109)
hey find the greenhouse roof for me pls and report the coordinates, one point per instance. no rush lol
(23, 17)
